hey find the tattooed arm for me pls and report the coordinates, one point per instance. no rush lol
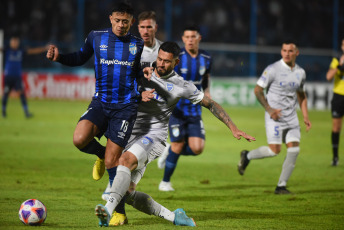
(275, 114)
(221, 114)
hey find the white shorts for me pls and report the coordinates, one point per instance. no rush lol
(146, 149)
(278, 132)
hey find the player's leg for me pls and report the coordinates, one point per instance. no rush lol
(92, 123)
(274, 139)
(171, 164)
(9, 83)
(336, 127)
(162, 159)
(337, 112)
(177, 137)
(292, 140)
(145, 203)
(196, 136)
(20, 89)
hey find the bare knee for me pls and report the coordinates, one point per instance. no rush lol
(196, 144)
(79, 141)
(177, 147)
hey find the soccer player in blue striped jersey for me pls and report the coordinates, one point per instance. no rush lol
(186, 128)
(114, 105)
(14, 56)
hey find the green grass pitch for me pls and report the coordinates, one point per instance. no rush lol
(38, 160)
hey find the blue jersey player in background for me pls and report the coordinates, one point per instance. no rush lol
(186, 128)
(13, 72)
(114, 106)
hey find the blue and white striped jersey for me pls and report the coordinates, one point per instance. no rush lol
(192, 69)
(13, 62)
(116, 64)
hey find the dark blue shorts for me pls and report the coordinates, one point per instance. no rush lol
(337, 106)
(115, 121)
(182, 127)
(13, 82)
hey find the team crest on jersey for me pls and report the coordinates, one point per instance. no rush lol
(169, 86)
(146, 140)
(132, 48)
(202, 70)
(175, 131)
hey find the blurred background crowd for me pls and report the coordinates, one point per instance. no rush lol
(243, 36)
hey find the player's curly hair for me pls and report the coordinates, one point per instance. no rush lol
(171, 47)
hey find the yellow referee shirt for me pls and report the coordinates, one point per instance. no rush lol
(338, 84)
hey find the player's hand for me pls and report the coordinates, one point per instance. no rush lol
(147, 72)
(308, 124)
(275, 114)
(53, 53)
(238, 134)
(147, 95)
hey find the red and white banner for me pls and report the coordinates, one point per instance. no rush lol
(64, 86)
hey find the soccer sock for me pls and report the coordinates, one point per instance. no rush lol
(119, 187)
(24, 103)
(171, 163)
(94, 148)
(288, 165)
(4, 102)
(145, 203)
(335, 142)
(112, 173)
(187, 151)
(261, 152)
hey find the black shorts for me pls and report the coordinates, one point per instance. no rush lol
(116, 121)
(337, 106)
(13, 82)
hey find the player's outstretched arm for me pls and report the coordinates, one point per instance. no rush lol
(301, 96)
(222, 115)
(275, 114)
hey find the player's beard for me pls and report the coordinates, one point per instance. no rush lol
(163, 72)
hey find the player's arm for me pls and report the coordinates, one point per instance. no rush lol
(206, 84)
(72, 59)
(222, 115)
(334, 67)
(301, 97)
(37, 50)
(275, 114)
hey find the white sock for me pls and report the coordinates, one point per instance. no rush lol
(261, 152)
(145, 203)
(119, 187)
(288, 165)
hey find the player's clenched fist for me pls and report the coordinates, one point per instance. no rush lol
(53, 53)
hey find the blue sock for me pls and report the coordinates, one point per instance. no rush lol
(171, 163)
(120, 207)
(112, 174)
(187, 151)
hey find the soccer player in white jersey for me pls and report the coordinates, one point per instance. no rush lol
(284, 83)
(150, 133)
(148, 27)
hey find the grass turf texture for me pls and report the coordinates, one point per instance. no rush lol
(38, 160)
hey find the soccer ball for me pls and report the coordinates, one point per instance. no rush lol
(32, 212)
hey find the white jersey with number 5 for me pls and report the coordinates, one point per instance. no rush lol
(282, 83)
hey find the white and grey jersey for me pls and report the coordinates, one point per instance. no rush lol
(149, 54)
(153, 116)
(282, 83)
